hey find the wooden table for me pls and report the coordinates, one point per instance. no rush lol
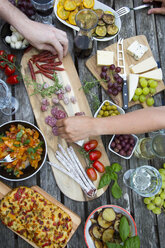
(150, 227)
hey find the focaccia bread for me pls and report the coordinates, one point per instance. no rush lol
(37, 219)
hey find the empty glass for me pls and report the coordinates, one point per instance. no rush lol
(8, 104)
(44, 9)
(145, 180)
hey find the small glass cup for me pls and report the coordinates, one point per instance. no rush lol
(144, 180)
(8, 104)
(86, 20)
(44, 9)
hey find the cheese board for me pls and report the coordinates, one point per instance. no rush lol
(91, 64)
(76, 220)
(69, 76)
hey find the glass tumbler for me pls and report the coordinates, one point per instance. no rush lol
(144, 180)
(44, 9)
(86, 20)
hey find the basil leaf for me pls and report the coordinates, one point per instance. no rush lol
(133, 242)
(124, 228)
(114, 176)
(109, 169)
(31, 150)
(105, 180)
(116, 167)
(113, 245)
(19, 135)
(116, 190)
(16, 145)
(26, 142)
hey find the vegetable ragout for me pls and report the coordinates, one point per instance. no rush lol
(24, 145)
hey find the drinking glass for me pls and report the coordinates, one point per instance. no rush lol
(144, 180)
(44, 9)
(86, 20)
(8, 104)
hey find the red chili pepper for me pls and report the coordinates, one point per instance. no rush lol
(94, 155)
(98, 166)
(32, 70)
(90, 145)
(11, 58)
(91, 174)
(9, 71)
(14, 79)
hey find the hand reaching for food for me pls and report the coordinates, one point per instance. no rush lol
(157, 10)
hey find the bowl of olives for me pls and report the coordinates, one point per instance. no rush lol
(108, 109)
(123, 145)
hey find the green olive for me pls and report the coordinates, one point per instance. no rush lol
(109, 107)
(101, 112)
(106, 103)
(106, 113)
(103, 107)
(114, 107)
(99, 116)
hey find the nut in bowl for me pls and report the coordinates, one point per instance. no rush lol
(25, 142)
(107, 109)
(103, 226)
(123, 145)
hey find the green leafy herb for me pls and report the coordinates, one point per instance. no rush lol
(31, 150)
(9, 150)
(16, 145)
(9, 169)
(26, 142)
(116, 167)
(19, 135)
(116, 190)
(95, 102)
(105, 180)
(133, 242)
(88, 85)
(113, 245)
(16, 173)
(124, 228)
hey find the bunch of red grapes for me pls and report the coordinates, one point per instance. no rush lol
(112, 78)
(25, 6)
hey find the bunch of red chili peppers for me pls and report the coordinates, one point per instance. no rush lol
(48, 64)
(7, 63)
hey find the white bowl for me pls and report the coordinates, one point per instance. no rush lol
(128, 157)
(111, 103)
(117, 209)
(98, 5)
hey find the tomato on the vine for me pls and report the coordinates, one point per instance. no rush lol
(94, 155)
(91, 174)
(12, 79)
(98, 166)
(90, 145)
(2, 65)
(9, 71)
(11, 58)
(2, 53)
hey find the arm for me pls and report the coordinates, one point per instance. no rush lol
(156, 10)
(41, 36)
(140, 121)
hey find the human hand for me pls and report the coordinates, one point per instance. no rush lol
(75, 128)
(160, 11)
(47, 37)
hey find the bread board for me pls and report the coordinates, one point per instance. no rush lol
(91, 64)
(69, 187)
(76, 220)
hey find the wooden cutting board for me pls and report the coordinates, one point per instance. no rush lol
(69, 187)
(76, 220)
(91, 64)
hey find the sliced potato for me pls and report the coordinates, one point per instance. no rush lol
(102, 222)
(99, 13)
(98, 244)
(101, 31)
(112, 29)
(109, 214)
(96, 231)
(108, 235)
(109, 19)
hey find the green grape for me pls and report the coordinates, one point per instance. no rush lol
(156, 211)
(164, 165)
(163, 176)
(162, 171)
(164, 204)
(152, 91)
(162, 195)
(142, 98)
(151, 198)
(146, 91)
(160, 191)
(150, 206)
(147, 200)
(143, 82)
(157, 201)
(138, 91)
(153, 83)
(135, 98)
(150, 101)
(163, 185)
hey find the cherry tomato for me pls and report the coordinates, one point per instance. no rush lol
(2, 53)
(12, 80)
(94, 155)
(2, 64)
(98, 166)
(9, 71)
(11, 57)
(91, 174)
(90, 145)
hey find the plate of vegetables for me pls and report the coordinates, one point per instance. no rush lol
(24, 142)
(109, 23)
(110, 224)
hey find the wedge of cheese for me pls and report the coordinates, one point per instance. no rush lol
(132, 85)
(137, 50)
(145, 65)
(104, 58)
(154, 74)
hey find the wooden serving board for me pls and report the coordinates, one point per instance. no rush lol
(69, 187)
(91, 64)
(76, 220)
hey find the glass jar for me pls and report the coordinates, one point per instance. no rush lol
(86, 20)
